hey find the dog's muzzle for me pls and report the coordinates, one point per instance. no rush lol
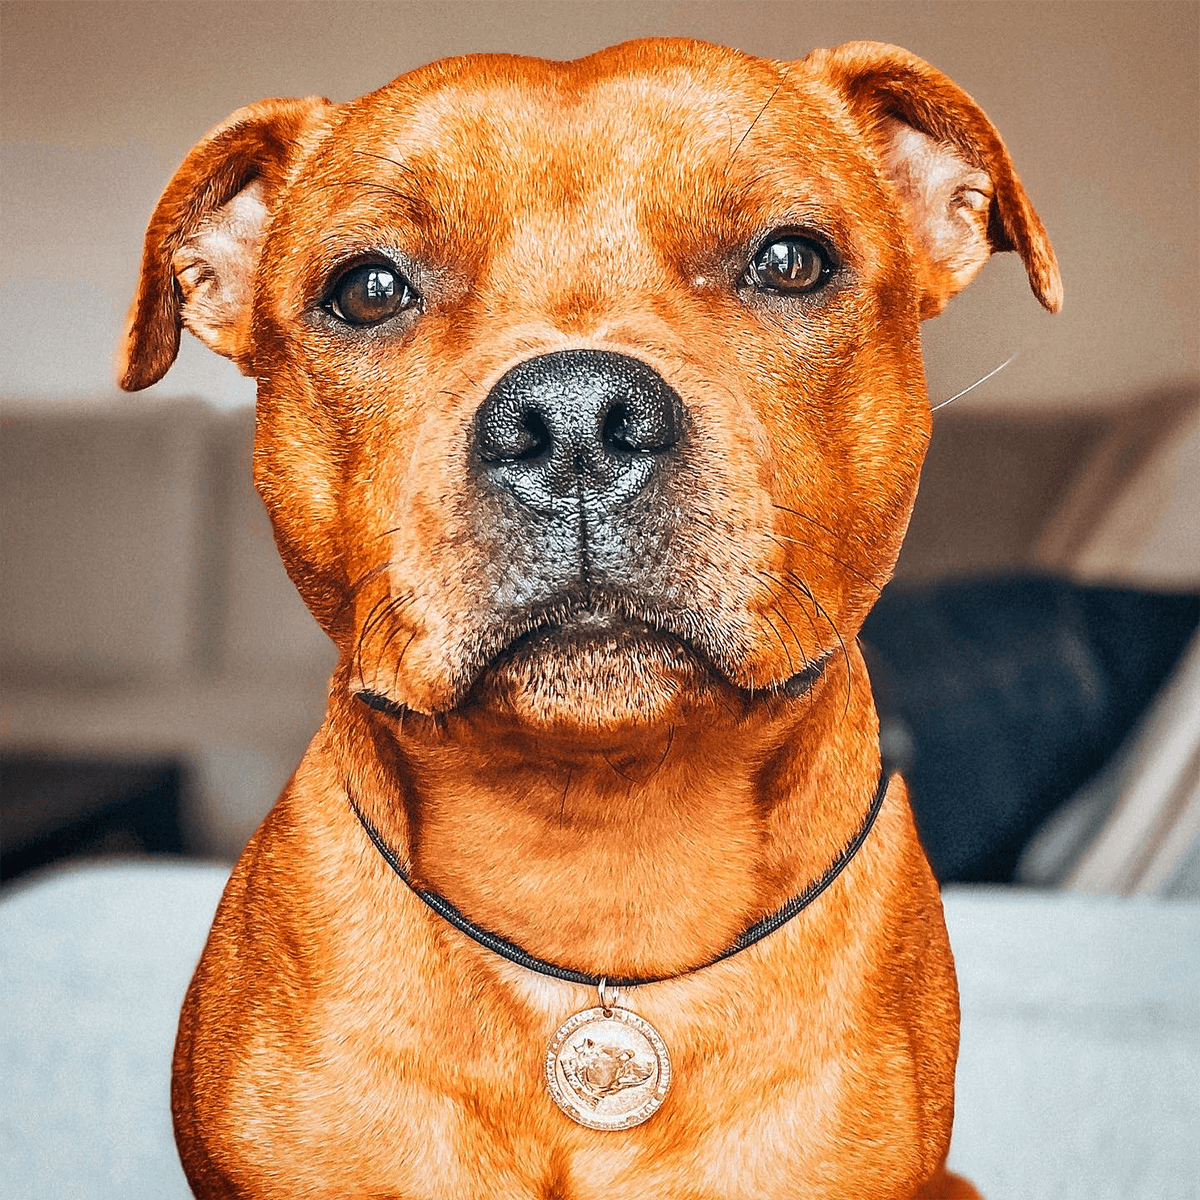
(577, 459)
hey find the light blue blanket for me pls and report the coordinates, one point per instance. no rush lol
(1079, 1077)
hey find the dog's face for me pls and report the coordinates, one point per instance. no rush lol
(588, 392)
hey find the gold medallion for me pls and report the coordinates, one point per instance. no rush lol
(608, 1068)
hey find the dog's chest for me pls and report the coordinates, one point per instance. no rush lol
(450, 1100)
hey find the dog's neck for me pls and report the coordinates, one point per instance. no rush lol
(646, 856)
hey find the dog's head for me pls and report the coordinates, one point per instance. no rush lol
(588, 391)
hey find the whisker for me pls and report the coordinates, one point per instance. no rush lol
(783, 537)
(376, 618)
(786, 652)
(356, 658)
(416, 207)
(670, 743)
(395, 162)
(358, 585)
(994, 371)
(783, 616)
(400, 660)
(612, 766)
(783, 583)
(762, 110)
(562, 805)
(829, 621)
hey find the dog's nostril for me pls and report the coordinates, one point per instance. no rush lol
(644, 422)
(615, 427)
(516, 436)
(534, 440)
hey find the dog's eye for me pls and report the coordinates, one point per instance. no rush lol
(368, 294)
(791, 265)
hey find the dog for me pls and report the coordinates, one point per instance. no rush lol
(590, 417)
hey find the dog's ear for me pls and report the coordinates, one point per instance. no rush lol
(949, 167)
(203, 240)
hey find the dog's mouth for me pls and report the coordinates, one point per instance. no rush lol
(587, 633)
(599, 659)
(588, 630)
(591, 668)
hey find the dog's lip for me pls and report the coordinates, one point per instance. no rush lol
(381, 703)
(585, 624)
(805, 679)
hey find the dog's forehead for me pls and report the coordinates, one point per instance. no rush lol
(469, 151)
(606, 94)
(545, 112)
(485, 114)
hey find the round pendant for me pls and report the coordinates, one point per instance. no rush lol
(607, 1068)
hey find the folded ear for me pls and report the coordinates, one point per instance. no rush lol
(203, 241)
(949, 166)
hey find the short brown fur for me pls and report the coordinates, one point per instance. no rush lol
(620, 807)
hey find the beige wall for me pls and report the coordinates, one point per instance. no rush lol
(1098, 102)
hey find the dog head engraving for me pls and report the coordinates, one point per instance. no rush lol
(559, 364)
(598, 1070)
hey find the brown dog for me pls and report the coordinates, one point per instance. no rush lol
(590, 417)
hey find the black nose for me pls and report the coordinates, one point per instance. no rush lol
(583, 423)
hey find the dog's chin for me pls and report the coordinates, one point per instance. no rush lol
(593, 674)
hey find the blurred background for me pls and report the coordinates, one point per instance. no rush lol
(1036, 659)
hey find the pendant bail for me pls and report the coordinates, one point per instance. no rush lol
(609, 997)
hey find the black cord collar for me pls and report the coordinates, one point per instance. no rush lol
(747, 938)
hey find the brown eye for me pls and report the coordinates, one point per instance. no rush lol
(369, 294)
(791, 265)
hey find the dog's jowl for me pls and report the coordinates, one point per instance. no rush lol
(590, 416)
